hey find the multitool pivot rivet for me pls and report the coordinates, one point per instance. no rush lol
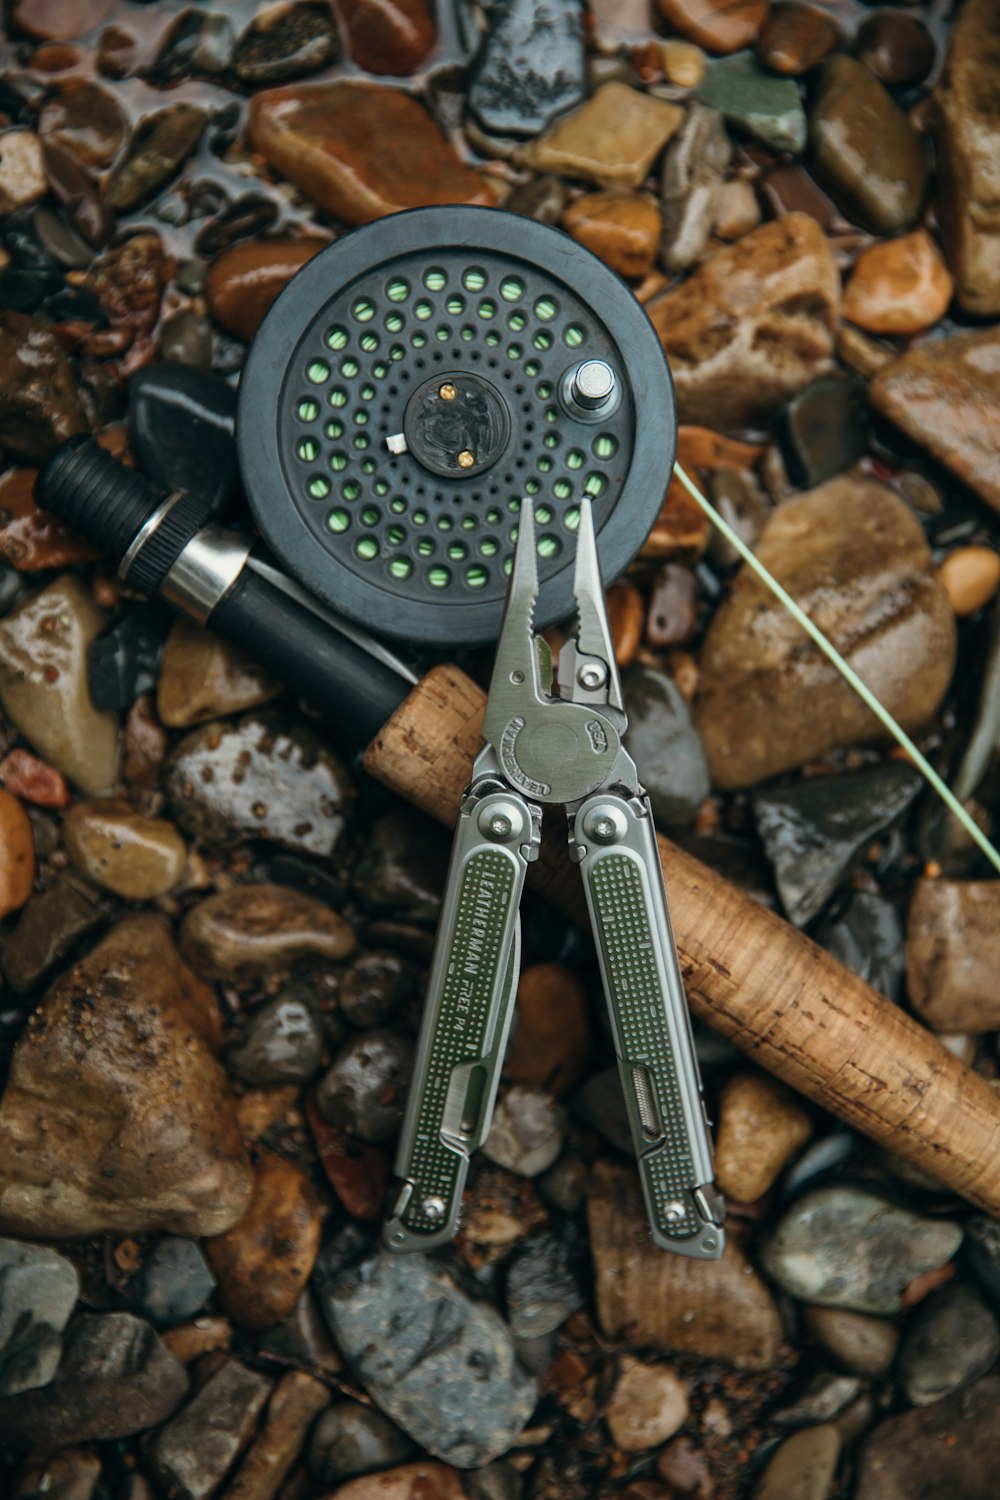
(500, 825)
(604, 824)
(591, 676)
(433, 1208)
(673, 1212)
(500, 821)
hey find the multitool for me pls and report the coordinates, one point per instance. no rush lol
(553, 734)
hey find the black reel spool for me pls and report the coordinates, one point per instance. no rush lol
(420, 376)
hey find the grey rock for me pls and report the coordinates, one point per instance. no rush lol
(375, 986)
(600, 1104)
(302, 39)
(402, 870)
(191, 1455)
(542, 1288)
(527, 1131)
(174, 1282)
(530, 67)
(70, 1475)
(440, 1365)
(365, 1090)
(543, 198)
(282, 1042)
(564, 1185)
(940, 1452)
(182, 420)
(824, 1398)
(665, 744)
(843, 1246)
(497, 1481)
(302, 1340)
(866, 934)
(744, 504)
(38, 1290)
(353, 1439)
(115, 1378)
(803, 1468)
(950, 1341)
(754, 100)
(186, 339)
(981, 1253)
(823, 429)
(856, 1340)
(694, 170)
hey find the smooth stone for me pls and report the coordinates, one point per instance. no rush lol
(971, 577)
(203, 677)
(17, 855)
(196, 43)
(527, 1131)
(542, 1288)
(647, 1406)
(967, 133)
(301, 1339)
(146, 745)
(174, 1281)
(765, 107)
(788, 188)
(22, 170)
(50, 924)
(530, 67)
(295, 1402)
(761, 1127)
(613, 139)
(683, 64)
(72, 1474)
(357, 1172)
(542, 198)
(39, 404)
(691, 186)
(320, 137)
(160, 145)
(250, 931)
(824, 1398)
(129, 281)
(60, 240)
(551, 1047)
(38, 1291)
(795, 39)
(416, 1481)
(32, 540)
(899, 286)
(720, 1309)
(823, 429)
(815, 830)
(122, 663)
(737, 211)
(843, 1246)
(365, 1090)
(949, 1449)
(71, 185)
(402, 870)
(944, 394)
(804, 1467)
(391, 37)
(438, 1364)
(352, 1439)
(286, 43)
(866, 935)
(680, 531)
(182, 425)
(115, 1378)
(244, 280)
(190, 1456)
(752, 325)
(665, 743)
(263, 1263)
(87, 120)
(862, 1343)
(257, 779)
(864, 150)
(134, 856)
(953, 954)
(949, 1342)
(600, 1105)
(716, 25)
(374, 987)
(116, 1116)
(622, 228)
(282, 1042)
(186, 339)
(43, 683)
(898, 49)
(673, 606)
(743, 503)
(854, 556)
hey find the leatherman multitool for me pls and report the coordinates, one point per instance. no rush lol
(546, 747)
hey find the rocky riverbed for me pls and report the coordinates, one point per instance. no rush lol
(215, 929)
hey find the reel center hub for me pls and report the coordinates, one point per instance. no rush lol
(457, 424)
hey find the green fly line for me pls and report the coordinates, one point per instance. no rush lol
(846, 671)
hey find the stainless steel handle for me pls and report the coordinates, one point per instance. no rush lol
(467, 1015)
(614, 841)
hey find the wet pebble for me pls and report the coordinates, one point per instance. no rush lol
(953, 954)
(32, 540)
(253, 930)
(673, 606)
(761, 1126)
(263, 1263)
(402, 869)
(289, 42)
(365, 1090)
(824, 1398)
(647, 1406)
(123, 661)
(388, 36)
(949, 1342)
(795, 38)
(542, 198)
(551, 1045)
(115, 1378)
(950, 1448)
(259, 779)
(186, 339)
(39, 405)
(843, 1246)
(160, 145)
(301, 1339)
(665, 743)
(543, 1289)
(244, 280)
(692, 184)
(38, 1291)
(415, 1481)
(529, 68)
(716, 25)
(440, 1365)
(174, 1281)
(823, 429)
(72, 185)
(49, 925)
(968, 146)
(357, 1171)
(293, 1406)
(192, 1453)
(527, 1131)
(899, 286)
(203, 677)
(134, 856)
(971, 576)
(282, 1042)
(181, 424)
(743, 503)
(861, 1343)
(622, 228)
(22, 170)
(352, 1439)
(756, 102)
(803, 1467)
(375, 987)
(17, 855)
(87, 120)
(613, 139)
(896, 48)
(145, 744)
(195, 43)
(865, 932)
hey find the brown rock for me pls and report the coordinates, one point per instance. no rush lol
(971, 577)
(39, 406)
(253, 930)
(22, 170)
(626, 611)
(681, 530)
(683, 64)
(244, 280)
(803, 1467)
(953, 954)
(388, 37)
(135, 856)
(357, 1171)
(717, 25)
(861, 1342)
(17, 855)
(31, 539)
(203, 677)
(116, 1115)
(128, 281)
(551, 1046)
(622, 228)
(189, 1341)
(945, 395)
(330, 140)
(190, 1455)
(613, 139)
(423, 1480)
(795, 38)
(263, 1262)
(854, 556)
(58, 20)
(296, 1400)
(717, 1309)
(737, 210)
(950, 1448)
(31, 779)
(968, 143)
(761, 1126)
(647, 1406)
(146, 744)
(753, 324)
(899, 286)
(685, 1469)
(700, 448)
(87, 120)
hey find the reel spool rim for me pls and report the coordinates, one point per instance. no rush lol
(300, 305)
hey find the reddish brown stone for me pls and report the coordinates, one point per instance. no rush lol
(17, 855)
(30, 538)
(388, 37)
(33, 779)
(58, 20)
(551, 1045)
(622, 228)
(332, 141)
(795, 38)
(701, 448)
(681, 529)
(358, 1172)
(128, 282)
(716, 25)
(146, 744)
(245, 279)
(626, 612)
